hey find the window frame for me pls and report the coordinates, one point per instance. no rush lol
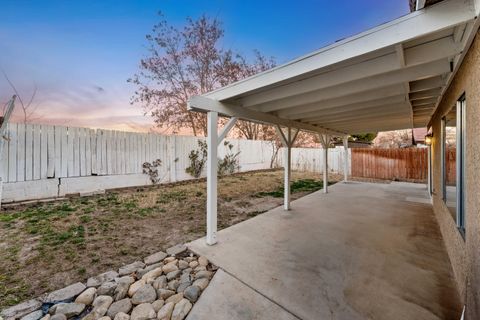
(460, 163)
(443, 160)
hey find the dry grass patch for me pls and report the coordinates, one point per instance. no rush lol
(47, 246)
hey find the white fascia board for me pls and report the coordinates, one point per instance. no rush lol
(420, 5)
(446, 14)
(203, 104)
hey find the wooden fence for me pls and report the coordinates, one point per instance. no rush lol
(406, 164)
(390, 164)
(43, 161)
(311, 159)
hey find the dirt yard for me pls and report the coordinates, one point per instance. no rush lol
(47, 246)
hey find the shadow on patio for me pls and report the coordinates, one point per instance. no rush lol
(363, 251)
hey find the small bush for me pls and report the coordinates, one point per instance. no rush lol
(197, 158)
(151, 169)
(230, 163)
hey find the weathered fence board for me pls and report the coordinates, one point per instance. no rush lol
(406, 164)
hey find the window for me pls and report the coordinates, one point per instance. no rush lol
(453, 161)
(461, 153)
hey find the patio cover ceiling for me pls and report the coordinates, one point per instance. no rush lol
(387, 78)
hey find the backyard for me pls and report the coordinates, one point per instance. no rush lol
(46, 246)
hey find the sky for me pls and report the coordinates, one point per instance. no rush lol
(78, 54)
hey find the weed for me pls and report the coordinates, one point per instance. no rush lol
(145, 212)
(132, 204)
(166, 197)
(85, 219)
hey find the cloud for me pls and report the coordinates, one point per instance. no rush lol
(88, 105)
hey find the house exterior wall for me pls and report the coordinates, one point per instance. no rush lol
(464, 253)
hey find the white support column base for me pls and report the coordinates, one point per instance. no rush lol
(212, 147)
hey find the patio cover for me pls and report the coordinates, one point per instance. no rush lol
(387, 78)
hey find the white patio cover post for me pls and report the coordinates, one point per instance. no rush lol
(325, 140)
(212, 167)
(345, 159)
(287, 141)
(213, 141)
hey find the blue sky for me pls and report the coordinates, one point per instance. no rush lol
(69, 49)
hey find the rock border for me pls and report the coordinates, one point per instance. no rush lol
(163, 286)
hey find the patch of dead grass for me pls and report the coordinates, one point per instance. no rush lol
(47, 246)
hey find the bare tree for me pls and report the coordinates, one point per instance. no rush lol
(27, 107)
(186, 62)
(393, 139)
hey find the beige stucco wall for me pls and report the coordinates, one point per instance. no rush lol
(464, 254)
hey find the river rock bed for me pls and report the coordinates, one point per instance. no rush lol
(163, 286)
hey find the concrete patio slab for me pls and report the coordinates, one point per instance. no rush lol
(363, 251)
(228, 298)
